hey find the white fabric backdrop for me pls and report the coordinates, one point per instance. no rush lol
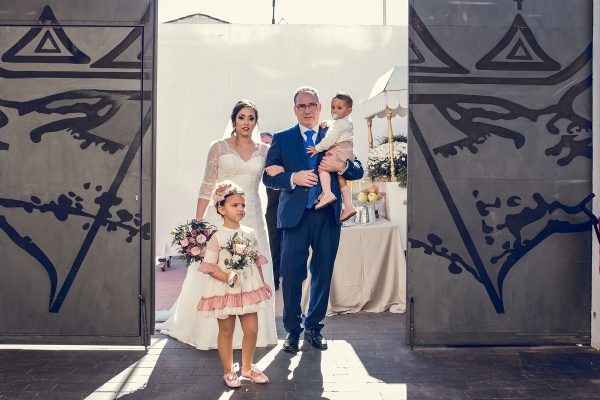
(204, 69)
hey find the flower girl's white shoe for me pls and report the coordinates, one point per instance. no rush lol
(255, 375)
(231, 378)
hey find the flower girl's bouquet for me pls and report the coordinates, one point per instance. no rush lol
(192, 238)
(241, 252)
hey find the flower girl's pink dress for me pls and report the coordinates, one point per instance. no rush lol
(248, 295)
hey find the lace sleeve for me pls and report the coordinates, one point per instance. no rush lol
(211, 257)
(211, 172)
(263, 150)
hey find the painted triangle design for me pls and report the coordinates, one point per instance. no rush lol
(110, 59)
(514, 61)
(435, 60)
(519, 52)
(415, 55)
(47, 44)
(74, 56)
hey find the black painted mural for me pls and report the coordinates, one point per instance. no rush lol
(76, 167)
(500, 184)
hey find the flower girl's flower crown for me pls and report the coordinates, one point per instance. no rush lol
(224, 190)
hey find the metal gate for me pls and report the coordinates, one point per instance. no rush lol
(76, 172)
(500, 172)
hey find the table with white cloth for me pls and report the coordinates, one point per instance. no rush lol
(369, 272)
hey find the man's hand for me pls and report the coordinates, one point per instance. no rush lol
(305, 178)
(273, 170)
(312, 151)
(332, 164)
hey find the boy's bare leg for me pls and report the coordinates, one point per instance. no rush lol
(327, 196)
(349, 210)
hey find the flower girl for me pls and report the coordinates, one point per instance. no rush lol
(238, 286)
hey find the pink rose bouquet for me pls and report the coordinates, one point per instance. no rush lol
(192, 238)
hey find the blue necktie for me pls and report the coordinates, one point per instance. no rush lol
(315, 191)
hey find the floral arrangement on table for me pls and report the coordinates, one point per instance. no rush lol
(192, 238)
(241, 252)
(378, 162)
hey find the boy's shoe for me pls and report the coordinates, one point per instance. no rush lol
(326, 198)
(347, 213)
(255, 375)
(231, 378)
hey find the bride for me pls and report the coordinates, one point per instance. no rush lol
(238, 157)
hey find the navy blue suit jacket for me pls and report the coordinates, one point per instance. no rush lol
(288, 151)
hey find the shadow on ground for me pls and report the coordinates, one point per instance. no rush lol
(367, 359)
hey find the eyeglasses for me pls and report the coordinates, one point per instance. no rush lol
(310, 106)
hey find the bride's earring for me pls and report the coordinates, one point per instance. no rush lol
(234, 136)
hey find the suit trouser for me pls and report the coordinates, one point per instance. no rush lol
(275, 245)
(319, 231)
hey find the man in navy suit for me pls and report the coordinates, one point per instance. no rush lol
(303, 226)
(271, 218)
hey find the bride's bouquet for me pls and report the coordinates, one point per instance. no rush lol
(192, 238)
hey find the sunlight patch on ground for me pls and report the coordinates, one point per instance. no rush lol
(268, 358)
(342, 371)
(67, 347)
(133, 378)
(226, 395)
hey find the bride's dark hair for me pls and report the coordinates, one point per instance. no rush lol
(236, 109)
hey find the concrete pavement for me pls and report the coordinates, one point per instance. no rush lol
(367, 359)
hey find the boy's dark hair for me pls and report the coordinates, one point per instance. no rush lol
(344, 97)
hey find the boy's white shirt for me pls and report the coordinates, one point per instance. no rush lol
(340, 131)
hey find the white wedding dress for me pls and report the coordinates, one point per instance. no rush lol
(186, 324)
